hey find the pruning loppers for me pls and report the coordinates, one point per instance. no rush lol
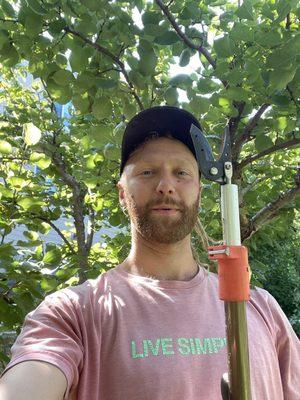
(232, 258)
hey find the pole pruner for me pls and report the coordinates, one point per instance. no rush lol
(232, 258)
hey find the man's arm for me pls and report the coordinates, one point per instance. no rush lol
(33, 380)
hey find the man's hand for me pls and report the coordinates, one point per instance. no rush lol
(33, 380)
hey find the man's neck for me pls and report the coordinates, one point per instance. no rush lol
(161, 261)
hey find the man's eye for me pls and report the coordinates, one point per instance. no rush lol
(182, 173)
(146, 172)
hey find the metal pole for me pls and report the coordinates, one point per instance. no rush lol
(235, 312)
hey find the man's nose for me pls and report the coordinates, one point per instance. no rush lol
(166, 185)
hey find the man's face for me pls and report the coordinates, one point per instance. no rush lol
(162, 174)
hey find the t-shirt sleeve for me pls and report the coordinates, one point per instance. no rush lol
(51, 333)
(288, 350)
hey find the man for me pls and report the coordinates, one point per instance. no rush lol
(153, 327)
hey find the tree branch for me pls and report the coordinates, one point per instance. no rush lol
(90, 235)
(15, 21)
(284, 145)
(57, 230)
(186, 40)
(115, 59)
(288, 22)
(236, 148)
(78, 204)
(270, 211)
(52, 105)
(234, 121)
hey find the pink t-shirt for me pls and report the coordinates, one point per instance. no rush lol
(125, 337)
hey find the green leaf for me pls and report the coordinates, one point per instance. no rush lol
(205, 85)
(132, 62)
(241, 32)
(63, 77)
(36, 7)
(85, 80)
(184, 58)
(269, 39)
(262, 142)
(280, 58)
(282, 123)
(150, 17)
(148, 58)
(44, 162)
(93, 5)
(171, 96)
(100, 134)
(17, 182)
(79, 58)
(129, 110)
(283, 8)
(181, 81)
(49, 283)
(224, 47)
(4, 37)
(33, 25)
(61, 94)
(279, 78)
(28, 202)
(111, 152)
(25, 301)
(31, 235)
(245, 11)
(294, 44)
(167, 38)
(280, 100)
(267, 12)
(106, 83)
(236, 76)
(9, 55)
(52, 256)
(81, 102)
(102, 107)
(5, 147)
(22, 243)
(200, 105)
(92, 182)
(147, 64)
(236, 93)
(8, 9)
(57, 26)
(31, 134)
(5, 192)
(137, 79)
(144, 48)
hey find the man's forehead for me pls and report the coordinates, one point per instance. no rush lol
(163, 147)
(154, 158)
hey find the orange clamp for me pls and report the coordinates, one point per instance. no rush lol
(233, 272)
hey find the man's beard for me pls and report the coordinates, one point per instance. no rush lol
(162, 228)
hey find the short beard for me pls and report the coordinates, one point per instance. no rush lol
(166, 230)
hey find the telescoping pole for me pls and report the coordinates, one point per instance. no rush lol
(235, 311)
(233, 269)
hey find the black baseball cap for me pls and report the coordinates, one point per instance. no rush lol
(160, 120)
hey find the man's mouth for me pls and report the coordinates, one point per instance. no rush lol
(165, 210)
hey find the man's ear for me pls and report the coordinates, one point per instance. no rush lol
(200, 191)
(121, 193)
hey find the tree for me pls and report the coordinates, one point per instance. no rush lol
(94, 55)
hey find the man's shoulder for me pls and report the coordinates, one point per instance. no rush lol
(83, 293)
